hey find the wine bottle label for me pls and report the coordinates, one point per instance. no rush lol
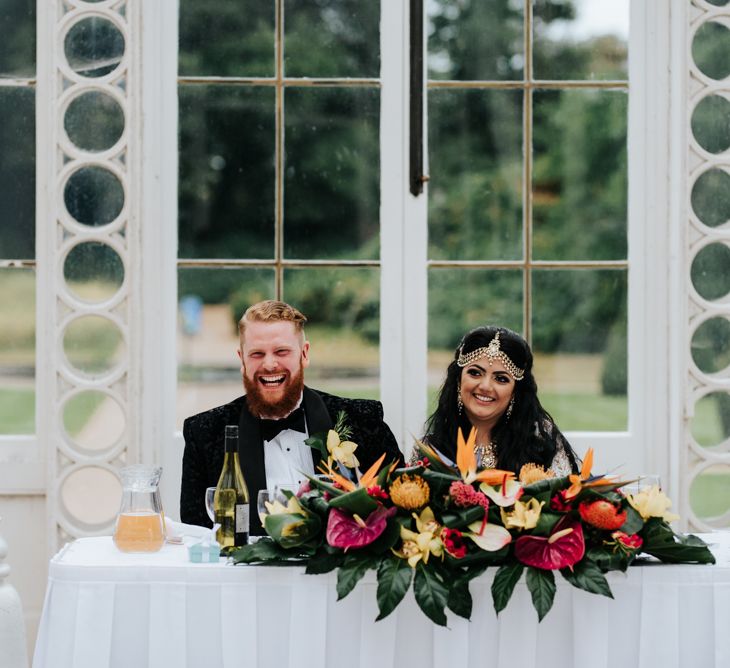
(242, 511)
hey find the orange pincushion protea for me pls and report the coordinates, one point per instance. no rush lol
(409, 492)
(602, 514)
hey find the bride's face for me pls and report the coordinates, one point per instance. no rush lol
(486, 388)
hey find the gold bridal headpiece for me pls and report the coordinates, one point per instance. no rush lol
(491, 352)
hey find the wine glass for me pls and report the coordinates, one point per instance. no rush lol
(644, 482)
(210, 502)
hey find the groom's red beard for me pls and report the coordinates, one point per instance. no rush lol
(260, 405)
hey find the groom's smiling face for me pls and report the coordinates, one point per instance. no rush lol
(273, 358)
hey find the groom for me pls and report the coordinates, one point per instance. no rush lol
(276, 415)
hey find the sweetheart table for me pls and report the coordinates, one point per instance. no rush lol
(104, 609)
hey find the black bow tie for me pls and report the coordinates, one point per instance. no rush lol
(271, 428)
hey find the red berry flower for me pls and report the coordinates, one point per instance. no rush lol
(629, 542)
(377, 492)
(453, 541)
(560, 503)
(602, 514)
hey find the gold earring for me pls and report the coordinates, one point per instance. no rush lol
(459, 402)
(510, 406)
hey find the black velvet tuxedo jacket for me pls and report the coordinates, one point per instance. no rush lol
(204, 446)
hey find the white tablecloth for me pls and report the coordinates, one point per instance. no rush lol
(104, 608)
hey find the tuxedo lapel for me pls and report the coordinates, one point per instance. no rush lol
(318, 419)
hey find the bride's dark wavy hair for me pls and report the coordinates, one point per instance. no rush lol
(528, 435)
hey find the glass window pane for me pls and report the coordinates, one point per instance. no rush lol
(17, 173)
(17, 46)
(343, 326)
(579, 175)
(475, 191)
(210, 303)
(709, 495)
(17, 351)
(711, 197)
(227, 38)
(93, 271)
(332, 38)
(711, 421)
(711, 50)
(582, 39)
(460, 300)
(332, 173)
(579, 342)
(226, 180)
(475, 40)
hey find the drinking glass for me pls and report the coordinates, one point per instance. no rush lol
(209, 502)
(644, 481)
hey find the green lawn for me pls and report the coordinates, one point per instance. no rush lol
(17, 411)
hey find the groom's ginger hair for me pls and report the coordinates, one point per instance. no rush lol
(272, 310)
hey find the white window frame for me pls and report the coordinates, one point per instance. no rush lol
(657, 347)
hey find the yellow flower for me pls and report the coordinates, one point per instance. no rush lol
(426, 521)
(409, 492)
(342, 451)
(278, 508)
(652, 503)
(418, 546)
(524, 515)
(530, 473)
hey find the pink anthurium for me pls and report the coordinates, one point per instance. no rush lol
(563, 548)
(351, 531)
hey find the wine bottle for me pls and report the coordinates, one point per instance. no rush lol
(231, 502)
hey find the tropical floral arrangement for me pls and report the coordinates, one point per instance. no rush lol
(439, 524)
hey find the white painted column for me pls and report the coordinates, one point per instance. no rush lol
(12, 629)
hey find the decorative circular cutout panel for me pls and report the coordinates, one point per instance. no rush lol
(93, 420)
(94, 47)
(711, 271)
(711, 50)
(711, 345)
(711, 123)
(711, 197)
(93, 271)
(711, 421)
(94, 121)
(91, 495)
(93, 345)
(709, 494)
(94, 196)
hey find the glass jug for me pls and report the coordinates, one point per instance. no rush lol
(140, 524)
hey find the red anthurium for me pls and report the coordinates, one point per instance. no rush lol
(602, 514)
(561, 549)
(347, 531)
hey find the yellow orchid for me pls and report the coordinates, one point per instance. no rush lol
(418, 546)
(276, 507)
(466, 462)
(341, 451)
(426, 521)
(652, 502)
(524, 515)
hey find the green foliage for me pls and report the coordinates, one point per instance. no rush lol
(351, 572)
(504, 584)
(541, 585)
(587, 575)
(431, 594)
(394, 579)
